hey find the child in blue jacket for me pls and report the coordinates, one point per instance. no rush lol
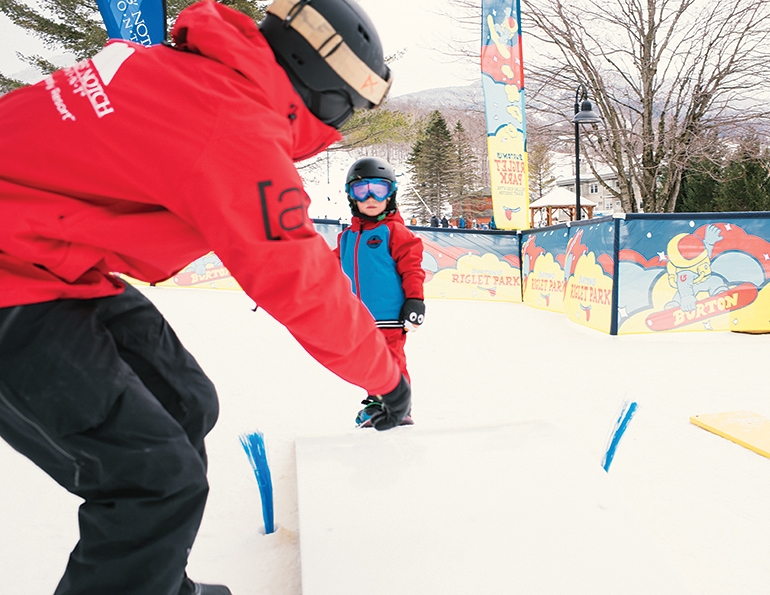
(383, 260)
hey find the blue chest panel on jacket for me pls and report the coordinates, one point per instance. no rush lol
(366, 260)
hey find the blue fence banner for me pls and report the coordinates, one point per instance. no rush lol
(694, 272)
(628, 274)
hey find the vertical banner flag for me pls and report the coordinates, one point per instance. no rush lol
(502, 77)
(140, 21)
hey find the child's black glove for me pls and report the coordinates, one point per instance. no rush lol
(395, 405)
(412, 314)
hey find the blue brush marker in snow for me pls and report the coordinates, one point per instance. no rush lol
(254, 445)
(626, 413)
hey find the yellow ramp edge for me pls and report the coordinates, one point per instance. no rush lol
(746, 428)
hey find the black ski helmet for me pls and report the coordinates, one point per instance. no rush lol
(332, 54)
(371, 167)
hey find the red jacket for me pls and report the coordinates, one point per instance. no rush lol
(141, 160)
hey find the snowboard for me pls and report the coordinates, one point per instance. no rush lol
(714, 305)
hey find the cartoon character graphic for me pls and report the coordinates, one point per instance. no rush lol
(207, 269)
(505, 34)
(509, 212)
(575, 249)
(200, 266)
(530, 251)
(689, 268)
(501, 54)
(437, 256)
(726, 267)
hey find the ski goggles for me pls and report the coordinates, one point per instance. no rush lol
(378, 188)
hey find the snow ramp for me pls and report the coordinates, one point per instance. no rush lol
(495, 510)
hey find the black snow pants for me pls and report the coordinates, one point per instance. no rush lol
(103, 397)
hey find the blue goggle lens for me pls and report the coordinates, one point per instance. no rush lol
(378, 188)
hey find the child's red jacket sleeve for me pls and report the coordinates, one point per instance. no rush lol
(406, 250)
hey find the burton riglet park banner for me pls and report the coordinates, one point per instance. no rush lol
(543, 275)
(502, 78)
(589, 268)
(459, 264)
(571, 269)
(695, 272)
(209, 272)
(471, 264)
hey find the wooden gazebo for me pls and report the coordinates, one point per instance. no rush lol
(559, 200)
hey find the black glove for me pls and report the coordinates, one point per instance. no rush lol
(412, 314)
(395, 405)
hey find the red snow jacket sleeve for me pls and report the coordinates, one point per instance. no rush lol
(406, 249)
(144, 158)
(264, 236)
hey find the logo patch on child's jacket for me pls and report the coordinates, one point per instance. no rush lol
(374, 242)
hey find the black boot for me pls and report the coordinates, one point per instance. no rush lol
(201, 589)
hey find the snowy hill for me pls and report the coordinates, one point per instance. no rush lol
(466, 98)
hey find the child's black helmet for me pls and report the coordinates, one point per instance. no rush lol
(371, 167)
(332, 54)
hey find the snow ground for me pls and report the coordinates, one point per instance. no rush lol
(703, 499)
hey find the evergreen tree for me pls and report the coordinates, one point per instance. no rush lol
(76, 27)
(701, 185)
(464, 183)
(746, 184)
(738, 181)
(433, 166)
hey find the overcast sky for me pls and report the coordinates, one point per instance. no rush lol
(415, 26)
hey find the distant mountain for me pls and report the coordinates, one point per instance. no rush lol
(466, 98)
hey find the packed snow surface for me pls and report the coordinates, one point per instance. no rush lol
(702, 500)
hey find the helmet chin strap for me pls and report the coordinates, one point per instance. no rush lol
(321, 35)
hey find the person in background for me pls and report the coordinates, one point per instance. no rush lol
(413, 220)
(383, 260)
(434, 222)
(444, 222)
(492, 224)
(95, 387)
(461, 224)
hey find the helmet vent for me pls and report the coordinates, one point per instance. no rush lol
(298, 60)
(363, 33)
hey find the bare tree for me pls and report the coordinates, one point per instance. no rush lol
(540, 152)
(662, 73)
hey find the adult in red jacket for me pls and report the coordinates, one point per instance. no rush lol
(139, 161)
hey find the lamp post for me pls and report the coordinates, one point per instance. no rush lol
(584, 114)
